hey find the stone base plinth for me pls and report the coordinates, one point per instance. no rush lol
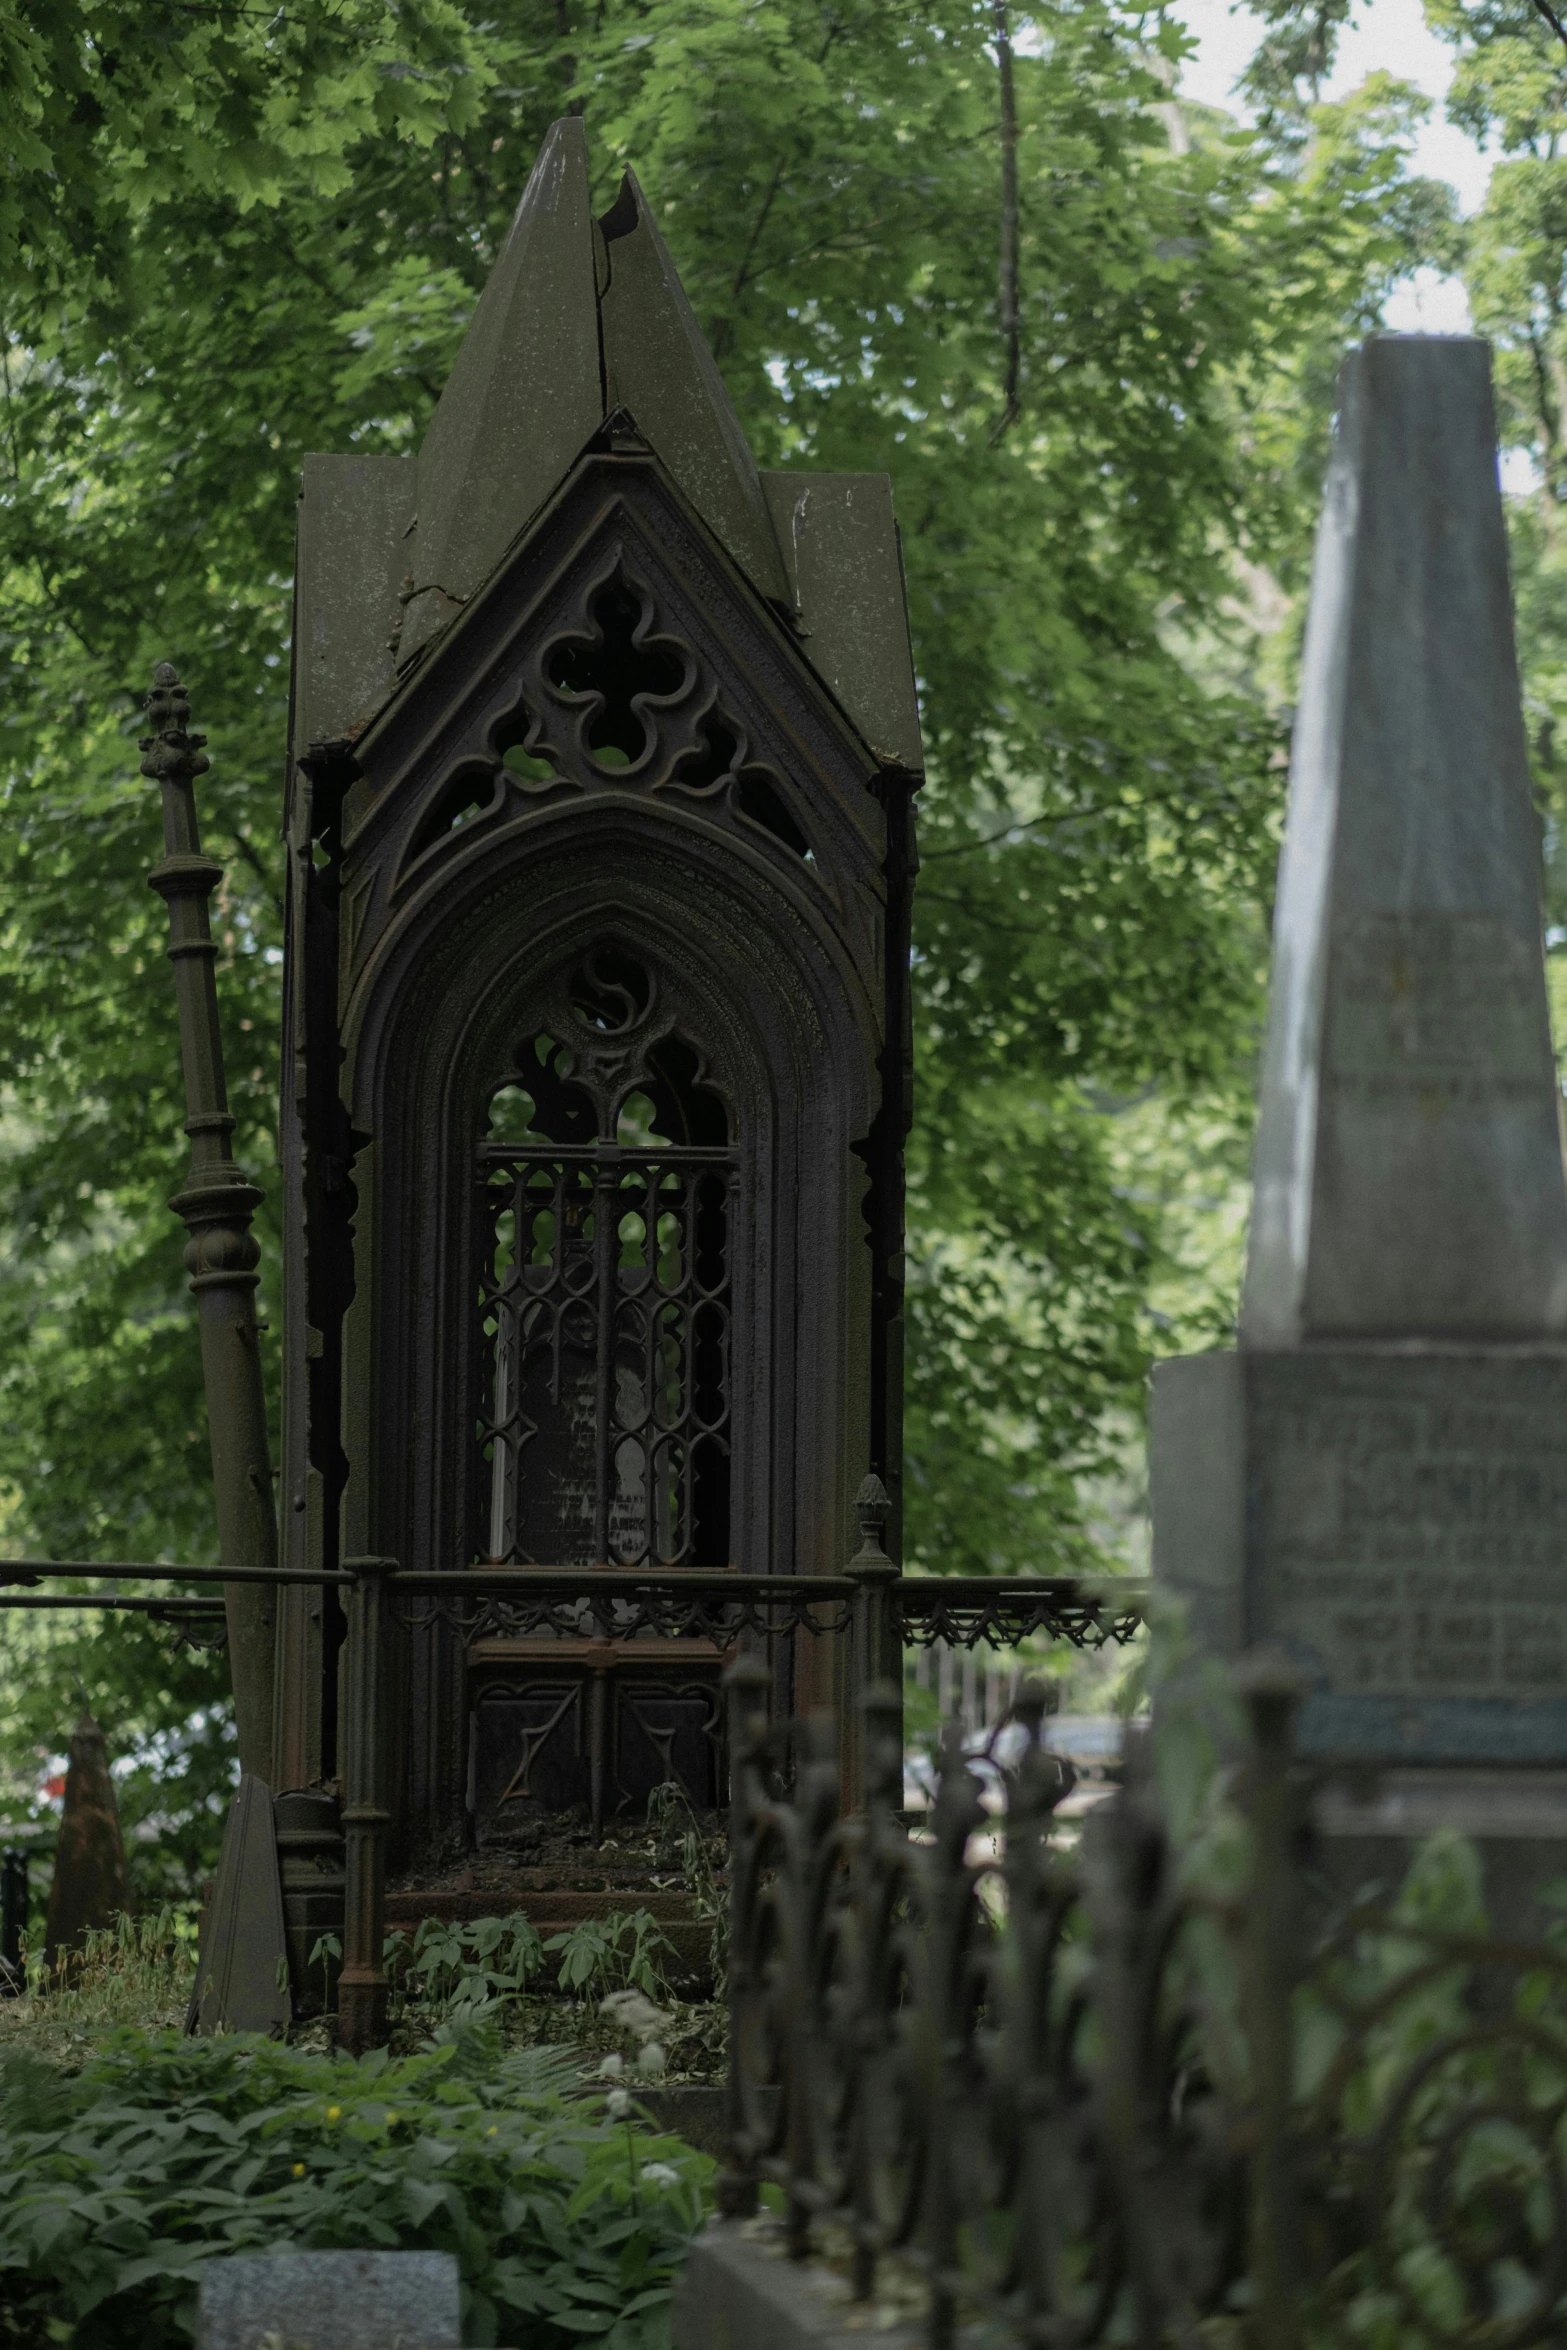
(740, 2291)
(1395, 1518)
(1369, 1827)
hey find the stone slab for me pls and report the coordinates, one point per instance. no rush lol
(739, 2291)
(1522, 1806)
(330, 2301)
(1396, 1519)
(1408, 1171)
(1371, 1825)
(840, 545)
(242, 1965)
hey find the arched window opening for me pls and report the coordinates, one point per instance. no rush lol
(607, 1229)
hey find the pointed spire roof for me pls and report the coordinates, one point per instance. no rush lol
(583, 322)
(578, 320)
(524, 397)
(657, 367)
(1409, 1179)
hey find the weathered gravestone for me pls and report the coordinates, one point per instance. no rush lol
(90, 1890)
(330, 2301)
(242, 1965)
(1376, 1479)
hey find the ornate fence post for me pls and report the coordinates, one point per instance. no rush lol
(1125, 1868)
(875, 1657)
(940, 2026)
(880, 1844)
(748, 1682)
(361, 1991)
(217, 1204)
(1272, 1690)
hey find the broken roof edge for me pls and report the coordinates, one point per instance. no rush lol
(839, 540)
(578, 316)
(354, 512)
(840, 544)
(659, 367)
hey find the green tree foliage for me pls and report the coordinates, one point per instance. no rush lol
(231, 235)
(1509, 92)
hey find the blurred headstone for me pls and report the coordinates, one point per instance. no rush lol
(91, 1888)
(242, 1967)
(330, 2301)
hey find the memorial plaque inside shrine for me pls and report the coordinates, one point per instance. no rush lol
(596, 1053)
(1377, 1477)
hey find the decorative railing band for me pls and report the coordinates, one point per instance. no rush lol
(613, 1603)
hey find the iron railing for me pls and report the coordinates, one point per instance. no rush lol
(872, 1608)
(1100, 2096)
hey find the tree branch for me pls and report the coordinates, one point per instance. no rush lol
(1007, 286)
(1544, 9)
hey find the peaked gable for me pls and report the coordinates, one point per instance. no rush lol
(583, 339)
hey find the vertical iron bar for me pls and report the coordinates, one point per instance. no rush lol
(878, 1831)
(605, 1260)
(361, 1993)
(1272, 1689)
(598, 1742)
(13, 1914)
(216, 1205)
(940, 2026)
(748, 1683)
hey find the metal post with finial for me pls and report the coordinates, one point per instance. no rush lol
(216, 1205)
(875, 1657)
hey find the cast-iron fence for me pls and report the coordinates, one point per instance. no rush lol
(872, 1608)
(1103, 2095)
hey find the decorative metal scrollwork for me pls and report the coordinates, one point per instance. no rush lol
(607, 1193)
(1085, 2098)
(638, 1608)
(193, 1628)
(968, 1611)
(485, 1603)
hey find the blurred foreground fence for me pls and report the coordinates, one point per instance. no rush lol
(1096, 2097)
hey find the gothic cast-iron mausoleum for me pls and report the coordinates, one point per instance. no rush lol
(596, 1070)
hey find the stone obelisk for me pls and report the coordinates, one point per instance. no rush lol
(1376, 1478)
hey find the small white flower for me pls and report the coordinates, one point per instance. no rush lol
(619, 2103)
(633, 2012)
(660, 2174)
(612, 2066)
(651, 2061)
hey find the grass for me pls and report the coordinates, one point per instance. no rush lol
(140, 1971)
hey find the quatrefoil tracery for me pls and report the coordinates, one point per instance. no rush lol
(614, 678)
(612, 699)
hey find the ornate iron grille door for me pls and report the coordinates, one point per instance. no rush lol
(606, 1313)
